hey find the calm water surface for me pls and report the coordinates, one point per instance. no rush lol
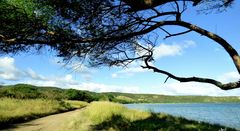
(227, 114)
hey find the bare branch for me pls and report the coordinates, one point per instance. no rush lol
(151, 3)
(228, 86)
(166, 79)
(181, 33)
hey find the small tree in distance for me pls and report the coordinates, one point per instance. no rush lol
(105, 32)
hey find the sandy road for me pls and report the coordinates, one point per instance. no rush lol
(48, 123)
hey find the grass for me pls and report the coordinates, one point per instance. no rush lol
(76, 104)
(153, 98)
(19, 110)
(111, 116)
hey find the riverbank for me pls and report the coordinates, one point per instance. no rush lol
(113, 116)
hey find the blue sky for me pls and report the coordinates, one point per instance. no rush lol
(187, 55)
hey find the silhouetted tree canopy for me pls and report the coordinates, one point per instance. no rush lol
(104, 32)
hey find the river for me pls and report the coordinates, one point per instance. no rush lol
(226, 114)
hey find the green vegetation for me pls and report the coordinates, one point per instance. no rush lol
(19, 110)
(24, 91)
(23, 102)
(153, 98)
(112, 116)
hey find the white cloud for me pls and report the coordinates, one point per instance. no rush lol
(128, 72)
(229, 77)
(58, 81)
(106, 88)
(164, 50)
(66, 79)
(68, 82)
(33, 75)
(133, 70)
(189, 43)
(195, 88)
(134, 67)
(191, 88)
(8, 70)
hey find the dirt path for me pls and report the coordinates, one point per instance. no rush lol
(48, 123)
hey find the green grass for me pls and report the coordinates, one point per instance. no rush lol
(111, 116)
(19, 110)
(25, 91)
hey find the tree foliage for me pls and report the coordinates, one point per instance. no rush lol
(104, 32)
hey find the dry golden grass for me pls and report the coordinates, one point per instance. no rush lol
(19, 110)
(115, 117)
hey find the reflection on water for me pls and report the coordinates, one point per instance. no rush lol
(227, 114)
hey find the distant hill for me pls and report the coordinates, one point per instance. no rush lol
(25, 91)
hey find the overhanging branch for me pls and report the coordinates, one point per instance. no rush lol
(228, 86)
(176, 34)
(219, 40)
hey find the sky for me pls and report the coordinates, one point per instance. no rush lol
(186, 55)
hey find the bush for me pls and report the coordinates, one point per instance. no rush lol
(73, 94)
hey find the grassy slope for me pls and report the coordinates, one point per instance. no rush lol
(152, 98)
(29, 91)
(17, 110)
(112, 116)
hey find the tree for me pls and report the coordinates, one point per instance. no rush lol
(104, 32)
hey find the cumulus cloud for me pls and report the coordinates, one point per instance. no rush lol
(58, 81)
(8, 69)
(193, 88)
(68, 82)
(128, 72)
(164, 50)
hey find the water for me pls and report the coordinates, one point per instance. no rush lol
(227, 114)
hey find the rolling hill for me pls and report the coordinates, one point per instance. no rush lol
(25, 91)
